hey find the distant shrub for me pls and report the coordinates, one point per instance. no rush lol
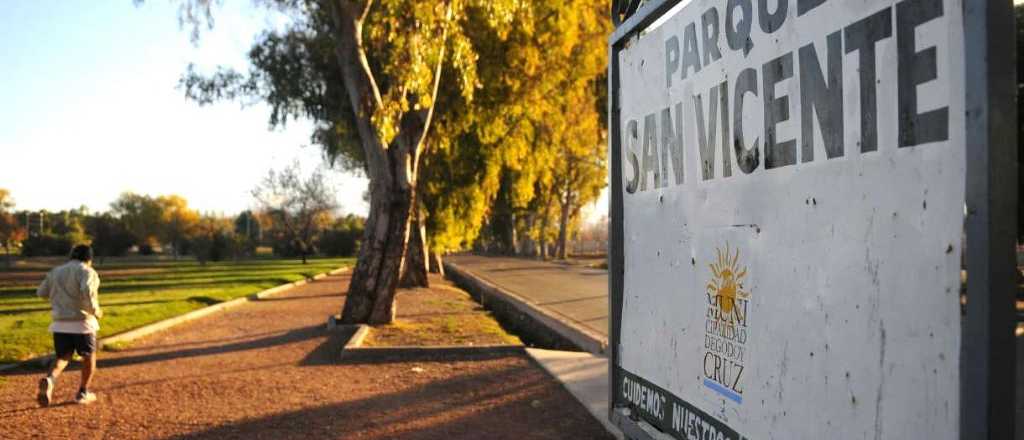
(110, 238)
(46, 245)
(343, 237)
(222, 247)
(214, 239)
(340, 243)
(288, 249)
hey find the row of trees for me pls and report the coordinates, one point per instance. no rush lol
(470, 117)
(288, 221)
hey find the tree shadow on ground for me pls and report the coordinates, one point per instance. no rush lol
(224, 340)
(329, 351)
(506, 403)
(272, 339)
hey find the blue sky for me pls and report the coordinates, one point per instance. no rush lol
(90, 109)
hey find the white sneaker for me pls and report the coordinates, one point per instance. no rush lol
(45, 391)
(85, 397)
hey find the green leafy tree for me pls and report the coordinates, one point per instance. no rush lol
(247, 224)
(457, 186)
(368, 73)
(249, 227)
(212, 238)
(57, 233)
(579, 168)
(493, 161)
(176, 221)
(550, 96)
(384, 79)
(110, 238)
(70, 226)
(141, 215)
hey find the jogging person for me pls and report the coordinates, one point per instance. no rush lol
(72, 289)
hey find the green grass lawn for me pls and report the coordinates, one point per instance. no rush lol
(133, 294)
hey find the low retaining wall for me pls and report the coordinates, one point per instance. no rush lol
(537, 326)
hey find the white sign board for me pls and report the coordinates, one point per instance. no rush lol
(793, 204)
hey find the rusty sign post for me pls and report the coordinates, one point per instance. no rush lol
(791, 183)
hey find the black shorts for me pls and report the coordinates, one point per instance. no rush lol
(66, 344)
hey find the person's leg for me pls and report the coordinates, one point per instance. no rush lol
(88, 368)
(58, 365)
(64, 348)
(86, 347)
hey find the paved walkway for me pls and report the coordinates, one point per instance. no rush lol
(579, 294)
(575, 293)
(268, 369)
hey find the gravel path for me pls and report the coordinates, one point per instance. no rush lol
(267, 370)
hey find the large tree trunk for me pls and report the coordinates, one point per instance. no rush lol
(371, 290)
(417, 259)
(391, 170)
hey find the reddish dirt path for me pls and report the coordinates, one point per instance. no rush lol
(267, 370)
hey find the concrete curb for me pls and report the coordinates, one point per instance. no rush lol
(358, 337)
(158, 326)
(559, 329)
(359, 332)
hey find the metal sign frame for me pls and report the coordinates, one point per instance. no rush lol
(988, 357)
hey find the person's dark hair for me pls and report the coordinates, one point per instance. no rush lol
(82, 252)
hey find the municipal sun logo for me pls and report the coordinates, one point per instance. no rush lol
(726, 330)
(726, 285)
